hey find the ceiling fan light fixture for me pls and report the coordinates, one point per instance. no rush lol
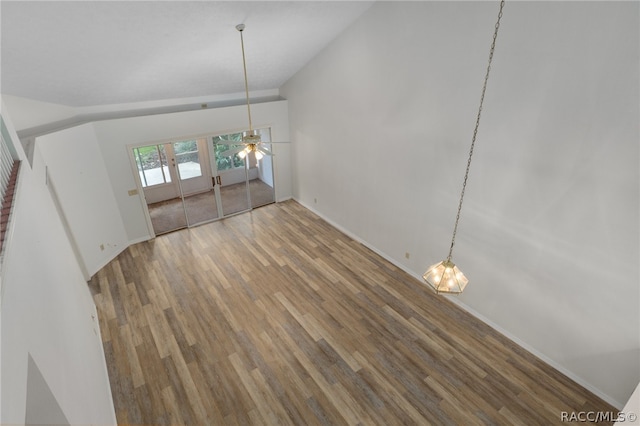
(250, 138)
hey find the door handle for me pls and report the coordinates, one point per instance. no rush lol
(213, 181)
(219, 180)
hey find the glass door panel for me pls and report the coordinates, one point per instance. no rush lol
(195, 181)
(261, 175)
(231, 173)
(167, 216)
(161, 194)
(153, 166)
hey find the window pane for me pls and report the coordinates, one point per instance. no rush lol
(223, 163)
(187, 159)
(152, 165)
(224, 143)
(237, 161)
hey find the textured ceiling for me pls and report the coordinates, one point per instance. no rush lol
(88, 53)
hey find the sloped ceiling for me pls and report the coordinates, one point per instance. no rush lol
(87, 53)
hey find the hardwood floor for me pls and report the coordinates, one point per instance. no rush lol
(275, 317)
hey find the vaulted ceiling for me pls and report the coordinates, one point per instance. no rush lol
(86, 53)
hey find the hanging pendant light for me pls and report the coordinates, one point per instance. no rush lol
(445, 277)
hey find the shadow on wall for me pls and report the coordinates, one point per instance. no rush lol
(42, 407)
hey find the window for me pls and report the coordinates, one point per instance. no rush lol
(187, 158)
(152, 165)
(223, 143)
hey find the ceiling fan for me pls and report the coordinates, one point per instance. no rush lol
(251, 139)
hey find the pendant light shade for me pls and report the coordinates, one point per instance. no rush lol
(445, 277)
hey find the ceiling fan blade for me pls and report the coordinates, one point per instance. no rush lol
(230, 143)
(264, 151)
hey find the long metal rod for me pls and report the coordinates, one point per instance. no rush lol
(176, 166)
(246, 182)
(475, 131)
(240, 28)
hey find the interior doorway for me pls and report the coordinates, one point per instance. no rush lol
(189, 182)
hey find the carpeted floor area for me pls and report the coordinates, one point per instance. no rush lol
(170, 215)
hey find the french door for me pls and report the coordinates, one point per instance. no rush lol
(195, 182)
(177, 184)
(231, 175)
(189, 182)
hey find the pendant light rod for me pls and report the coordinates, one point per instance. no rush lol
(240, 28)
(475, 130)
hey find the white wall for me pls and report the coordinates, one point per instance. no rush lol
(381, 123)
(631, 410)
(79, 176)
(47, 311)
(115, 136)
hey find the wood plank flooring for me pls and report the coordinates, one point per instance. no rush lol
(276, 318)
